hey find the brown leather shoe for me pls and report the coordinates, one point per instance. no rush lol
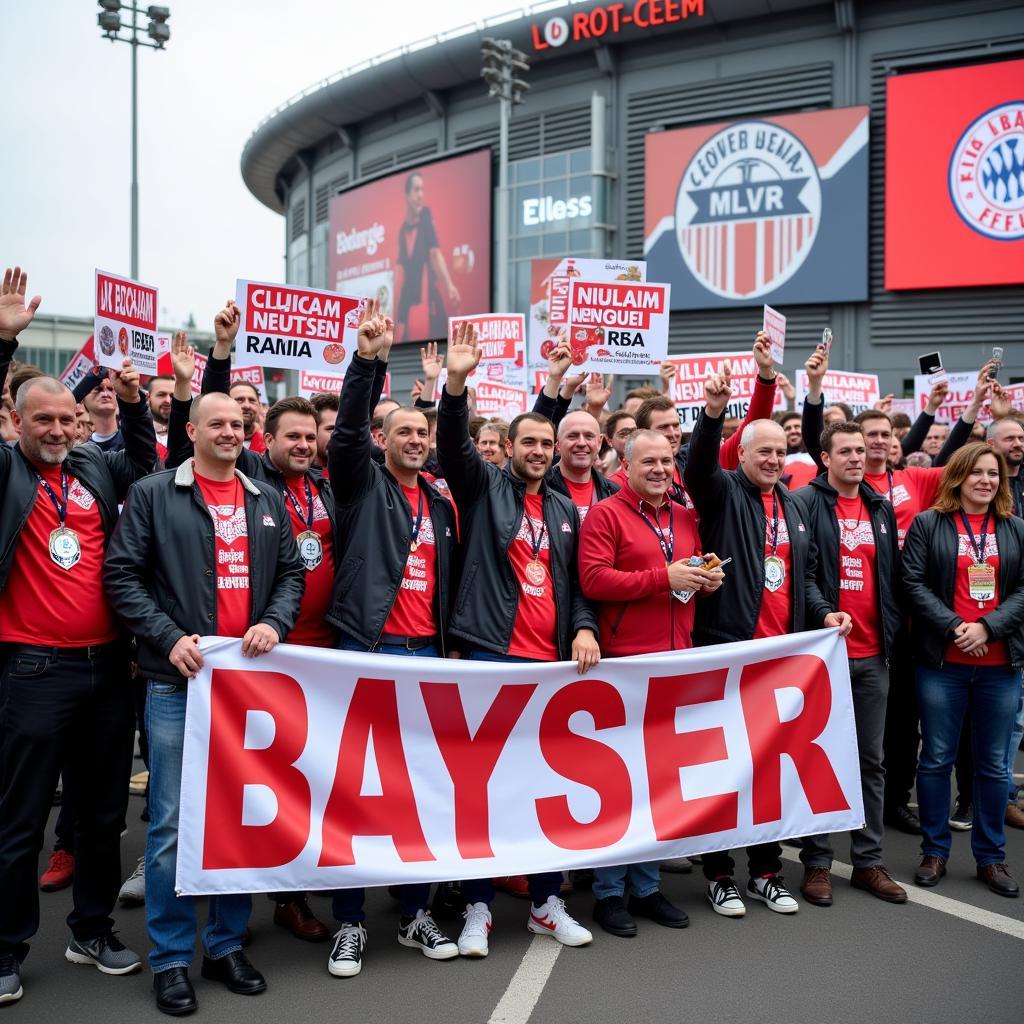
(817, 886)
(930, 871)
(998, 878)
(1014, 816)
(296, 916)
(877, 881)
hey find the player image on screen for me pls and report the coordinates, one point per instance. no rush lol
(418, 314)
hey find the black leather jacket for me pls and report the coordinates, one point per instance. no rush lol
(160, 572)
(491, 503)
(732, 524)
(375, 521)
(929, 579)
(819, 501)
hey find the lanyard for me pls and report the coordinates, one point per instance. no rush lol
(667, 543)
(62, 509)
(419, 520)
(306, 517)
(535, 541)
(888, 473)
(775, 522)
(979, 550)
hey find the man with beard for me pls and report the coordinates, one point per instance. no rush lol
(101, 404)
(160, 390)
(392, 590)
(200, 550)
(63, 667)
(522, 600)
(326, 406)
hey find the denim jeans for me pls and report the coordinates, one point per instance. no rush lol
(543, 884)
(171, 919)
(642, 879)
(992, 693)
(347, 904)
(1015, 738)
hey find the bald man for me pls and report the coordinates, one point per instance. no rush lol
(747, 514)
(574, 475)
(63, 666)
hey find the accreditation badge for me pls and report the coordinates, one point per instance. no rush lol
(65, 548)
(311, 549)
(981, 582)
(535, 572)
(774, 573)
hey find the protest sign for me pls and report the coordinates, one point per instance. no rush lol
(125, 323)
(500, 380)
(318, 769)
(79, 364)
(297, 328)
(311, 384)
(858, 390)
(251, 375)
(961, 391)
(906, 406)
(618, 325)
(687, 390)
(775, 327)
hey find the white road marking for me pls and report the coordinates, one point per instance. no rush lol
(934, 901)
(527, 984)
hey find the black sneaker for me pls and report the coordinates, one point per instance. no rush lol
(611, 914)
(106, 952)
(420, 932)
(346, 959)
(10, 979)
(448, 902)
(962, 817)
(659, 910)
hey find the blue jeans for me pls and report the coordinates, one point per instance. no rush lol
(347, 904)
(543, 884)
(1015, 738)
(642, 879)
(171, 919)
(992, 693)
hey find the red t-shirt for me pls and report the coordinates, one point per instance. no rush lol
(412, 614)
(776, 616)
(913, 491)
(964, 605)
(311, 629)
(857, 575)
(226, 501)
(582, 496)
(43, 603)
(534, 630)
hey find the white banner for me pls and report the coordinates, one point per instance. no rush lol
(858, 390)
(319, 769)
(961, 391)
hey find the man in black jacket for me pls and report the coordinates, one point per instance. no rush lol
(854, 530)
(63, 665)
(198, 550)
(747, 514)
(519, 597)
(574, 475)
(392, 592)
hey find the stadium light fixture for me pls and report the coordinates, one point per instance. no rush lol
(110, 23)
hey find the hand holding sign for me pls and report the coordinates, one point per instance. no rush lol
(717, 391)
(126, 382)
(764, 356)
(15, 316)
(225, 329)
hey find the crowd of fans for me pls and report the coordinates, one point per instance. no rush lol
(133, 522)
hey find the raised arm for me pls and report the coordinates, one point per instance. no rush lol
(217, 375)
(138, 457)
(183, 363)
(703, 475)
(812, 419)
(762, 402)
(960, 432)
(919, 430)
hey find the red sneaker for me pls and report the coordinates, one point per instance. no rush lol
(514, 885)
(59, 873)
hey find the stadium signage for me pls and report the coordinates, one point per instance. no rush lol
(610, 19)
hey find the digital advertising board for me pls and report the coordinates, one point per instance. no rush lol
(418, 240)
(765, 210)
(954, 178)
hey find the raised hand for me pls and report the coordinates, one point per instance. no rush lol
(126, 382)
(787, 386)
(570, 385)
(559, 361)
(999, 402)
(373, 330)
(463, 356)
(416, 391)
(938, 394)
(15, 316)
(884, 404)
(762, 350)
(599, 392)
(717, 392)
(432, 362)
(667, 372)
(225, 328)
(183, 358)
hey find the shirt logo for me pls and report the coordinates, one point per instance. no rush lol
(566, 528)
(80, 496)
(965, 548)
(854, 534)
(269, 520)
(228, 522)
(538, 527)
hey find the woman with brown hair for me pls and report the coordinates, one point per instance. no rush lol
(963, 574)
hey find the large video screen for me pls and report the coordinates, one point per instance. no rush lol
(420, 241)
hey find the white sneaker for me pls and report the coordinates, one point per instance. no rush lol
(346, 959)
(420, 932)
(553, 919)
(133, 892)
(473, 940)
(724, 898)
(773, 894)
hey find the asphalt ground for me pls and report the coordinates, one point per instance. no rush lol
(952, 955)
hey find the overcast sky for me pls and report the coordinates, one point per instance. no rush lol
(65, 173)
